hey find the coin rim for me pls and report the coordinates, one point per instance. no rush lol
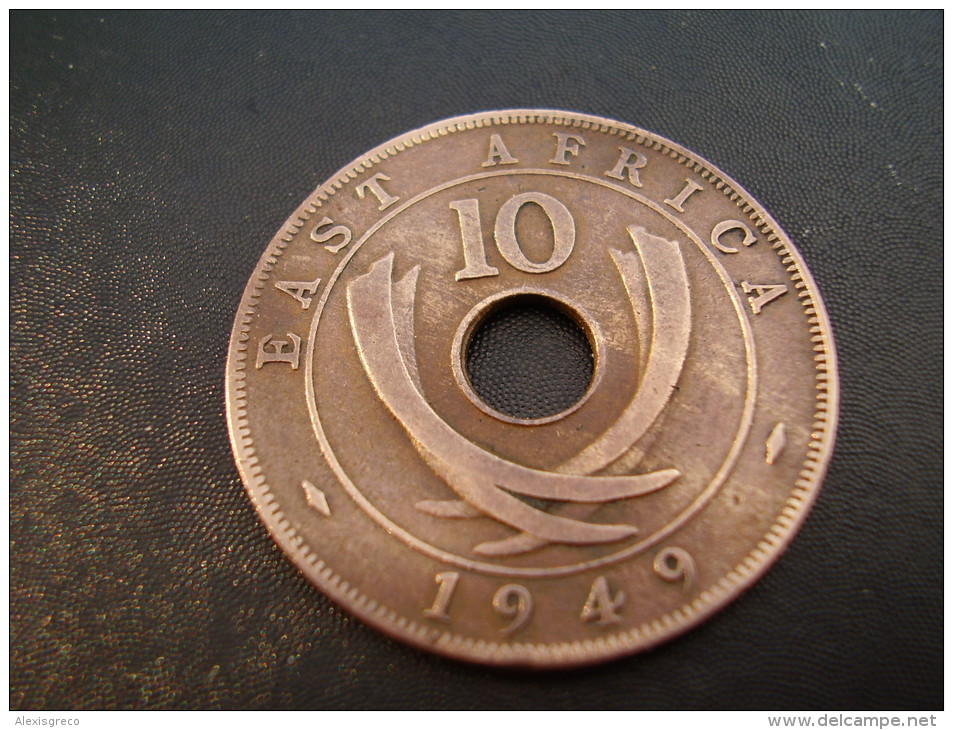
(553, 654)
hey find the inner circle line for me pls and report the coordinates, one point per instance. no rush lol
(488, 568)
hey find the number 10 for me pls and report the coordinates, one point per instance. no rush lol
(474, 247)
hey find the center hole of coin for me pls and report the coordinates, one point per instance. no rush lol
(528, 357)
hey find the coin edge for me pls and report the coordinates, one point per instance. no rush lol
(555, 654)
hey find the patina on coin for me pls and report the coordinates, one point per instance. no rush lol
(601, 528)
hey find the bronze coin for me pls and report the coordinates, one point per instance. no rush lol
(610, 517)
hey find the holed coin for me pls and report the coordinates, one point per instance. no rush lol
(633, 499)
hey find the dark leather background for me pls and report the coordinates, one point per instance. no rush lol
(154, 155)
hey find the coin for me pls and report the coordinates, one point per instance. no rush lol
(621, 504)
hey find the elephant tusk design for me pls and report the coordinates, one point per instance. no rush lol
(666, 333)
(381, 317)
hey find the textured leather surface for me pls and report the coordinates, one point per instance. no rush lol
(529, 360)
(154, 155)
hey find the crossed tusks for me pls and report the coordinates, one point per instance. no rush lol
(381, 313)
